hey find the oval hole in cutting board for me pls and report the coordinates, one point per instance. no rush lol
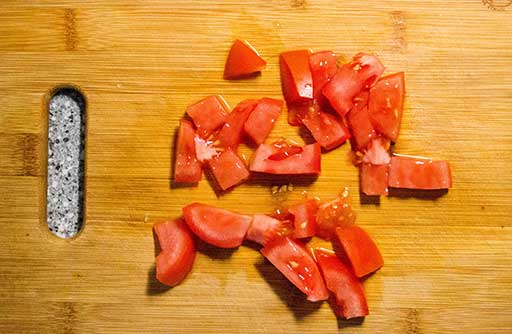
(66, 162)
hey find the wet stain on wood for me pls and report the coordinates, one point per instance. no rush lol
(399, 42)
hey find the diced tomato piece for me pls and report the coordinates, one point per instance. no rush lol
(419, 173)
(208, 114)
(361, 73)
(361, 127)
(296, 79)
(228, 169)
(296, 113)
(386, 104)
(374, 179)
(279, 159)
(332, 214)
(304, 221)
(327, 129)
(292, 259)
(323, 68)
(178, 253)
(218, 227)
(230, 135)
(340, 280)
(186, 167)
(361, 250)
(377, 152)
(262, 119)
(243, 60)
(264, 228)
(205, 149)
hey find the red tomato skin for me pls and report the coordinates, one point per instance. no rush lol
(361, 128)
(374, 179)
(327, 129)
(292, 259)
(230, 135)
(228, 169)
(340, 280)
(261, 120)
(263, 229)
(386, 104)
(243, 60)
(178, 253)
(306, 162)
(216, 226)
(361, 73)
(361, 250)
(296, 80)
(333, 214)
(323, 68)
(187, 168)
(304, 214)
(208, 114)
(419, 173)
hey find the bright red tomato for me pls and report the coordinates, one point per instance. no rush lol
(218, 227)
(363, 254)
(296, 79)
(340, 280)
(230, 135)
(361, 73)
(264, 228)
(419, 173)
(332, 214)
(208, 114)
(228, 169)
(262, 119)
(296, 113)
(377, 152)
(323, 68)
(186, 167)
(304, 221)
(327, 129)
(280, 158)
(361, 128)
(386, 104)
(292, 259)
(178, 253)
(374, 179)
(243, 60)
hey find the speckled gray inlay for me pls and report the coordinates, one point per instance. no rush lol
(66, 144)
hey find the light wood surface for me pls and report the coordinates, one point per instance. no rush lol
(448, 260)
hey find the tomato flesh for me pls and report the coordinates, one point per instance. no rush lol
(243, 60)
(261, 120)
(296, 113)
(327, 129)
(208, 114)
(323, 68)
(205, 149)
(218, 227)
(228, 169)
(187, 168)
(374, 179)
(264, 228)
(296, 79)
(361, 128)
(230, 135)
(177, 254)
(304, 218)
(292, 259)
(345, 286)
(377, 152)
(333, 214)
(419, 173)
(288, 160)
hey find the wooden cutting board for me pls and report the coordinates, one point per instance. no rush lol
(140, 63)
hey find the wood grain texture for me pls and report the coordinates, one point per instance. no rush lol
(140, 63)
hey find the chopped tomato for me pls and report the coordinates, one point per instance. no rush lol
(262, 119)
(304, 221)
(264, 228)
(205, 149)
(327, 129)
(280, 158)
(178, 253)
(296, 113)
(363, 254)
(386, 104)
(228, 169)
(243, 60)
(218, 227)
(230, 135)
(377, 152)
(186, 167)
(361, 73)
(419, 173)
(374, 179)
(323, 68)
(296, 78)
(292, 259)
(208, 114)
(332, 214)
(340, 280)
(360, 127)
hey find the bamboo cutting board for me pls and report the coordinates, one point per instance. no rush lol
(140, 63)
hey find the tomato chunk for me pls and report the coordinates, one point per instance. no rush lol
(264, 228)
(327, 129)
(292, 259)
(178, 253)
(304, 221)
(262, 119)
(361, 127)
(386, 104)
(228, 169)
(361, 73)
(332, 214)
(205, 149)
(374, 179)
(279, 159)
(230, 135)
(323, 68)
(377, 152)
(296, 79)
(218, 227)
(243, 60)
(296, 113)
(186, 167)
(208, 114)
(340, 280)
(419, 173)
(363, 254)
